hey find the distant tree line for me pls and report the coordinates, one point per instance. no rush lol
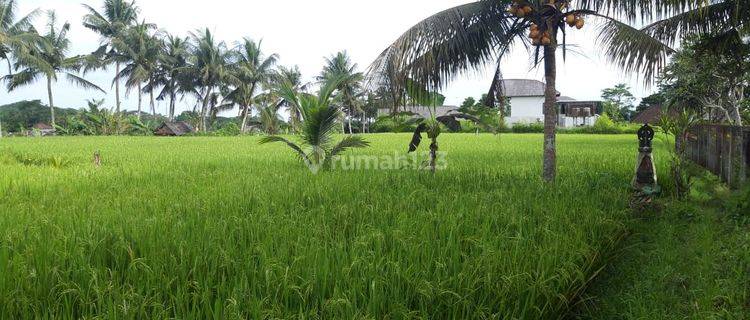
(159, 66)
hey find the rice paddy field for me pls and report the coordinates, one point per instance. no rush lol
(224, 228)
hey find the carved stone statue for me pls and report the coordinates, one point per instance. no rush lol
(645, 168)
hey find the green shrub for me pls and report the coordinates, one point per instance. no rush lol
(382, 124)
(395, 124)
(229, 129)
(536, 127)
(604, 123)
(738, 206)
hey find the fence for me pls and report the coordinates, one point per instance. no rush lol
(723, 150)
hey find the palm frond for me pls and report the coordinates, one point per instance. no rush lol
(23, 78)
(631, 49)
(294, 146)
(713, 18)
(319, 123)
(348, 142)
(449, 43)
(83, 83)
(632, 10)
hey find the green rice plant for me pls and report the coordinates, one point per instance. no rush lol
(222, 227)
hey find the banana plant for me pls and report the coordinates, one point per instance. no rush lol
(433, 126)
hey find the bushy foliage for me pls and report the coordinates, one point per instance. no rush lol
(96, 120)
(738, 206)
(618, 102)
(709, 75)
(229, 129)
(400, 122)
(21, 116)
(536, 127)
(604, 122)
(603, 125)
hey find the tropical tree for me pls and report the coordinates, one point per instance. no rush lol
(141, 49)
(210, 68)
(97, 120)
(340, 66)
(710, 79)
(172, 71)
(472, 35)
(116, 17)
(268, 114)
(253, 70)
(656, 99)
(14, 33)
(618, 102)
(217, 105)
(291, 78)
(319, 115)
(47, 59)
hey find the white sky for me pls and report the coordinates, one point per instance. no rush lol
(303, 33)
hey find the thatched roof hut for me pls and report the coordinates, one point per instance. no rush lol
(179, 128)
(651, 115)
(41, 129)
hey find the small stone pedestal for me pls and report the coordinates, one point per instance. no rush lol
(645, 169)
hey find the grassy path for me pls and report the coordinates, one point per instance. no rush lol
(690, 262)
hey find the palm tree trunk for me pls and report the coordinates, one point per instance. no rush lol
(140, 101)
(363, 119)
(549, 170)
(204, 110)
(151, 96)
(51, 101)
(244, 118)
(349, 115)
(117, 87)
(171, 106)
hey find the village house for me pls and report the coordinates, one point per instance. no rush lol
(526, 99)
(174, 129)
(41, 129)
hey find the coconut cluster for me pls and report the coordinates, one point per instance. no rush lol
(555, 8)
(520, 9)
(539, 37)
(574, 20)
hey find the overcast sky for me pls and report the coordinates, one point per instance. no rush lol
(304, 32)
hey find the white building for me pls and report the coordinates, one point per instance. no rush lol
(526, 99)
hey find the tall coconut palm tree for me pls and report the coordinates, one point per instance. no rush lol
(291, 78)
(47, 59)
(210, 67)
(252, 69)
(14, 33)
(340, 66)
(173, 66)
(141, 49)
(111, 23)
(470, 36)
